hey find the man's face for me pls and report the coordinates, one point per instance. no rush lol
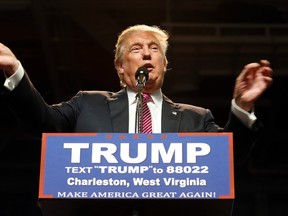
(142, 49)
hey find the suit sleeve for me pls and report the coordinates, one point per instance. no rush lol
(32, 110)
(244, 137)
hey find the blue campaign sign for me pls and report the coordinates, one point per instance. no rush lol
(122, 165)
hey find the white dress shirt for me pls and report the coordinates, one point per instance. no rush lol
(155, 107)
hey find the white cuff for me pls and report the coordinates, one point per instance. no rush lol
(12, 81)
(245, 117)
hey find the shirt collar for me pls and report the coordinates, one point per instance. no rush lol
(156, 96)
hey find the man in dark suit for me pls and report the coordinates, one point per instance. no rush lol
(104, 111)
(99, 111)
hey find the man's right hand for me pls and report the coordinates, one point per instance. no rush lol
(8, 61)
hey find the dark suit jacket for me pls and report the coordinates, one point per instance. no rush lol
(104, 111)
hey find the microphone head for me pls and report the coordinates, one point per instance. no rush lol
(141, 77)
(142, 72)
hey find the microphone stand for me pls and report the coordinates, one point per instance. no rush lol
(141, 76)
(138, 119)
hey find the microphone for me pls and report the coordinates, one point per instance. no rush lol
(141, 77)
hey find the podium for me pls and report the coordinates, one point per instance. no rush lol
(107, 174)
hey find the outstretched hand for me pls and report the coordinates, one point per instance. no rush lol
(8, 61)
(251, 83)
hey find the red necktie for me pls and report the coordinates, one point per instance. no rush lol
(146, 115)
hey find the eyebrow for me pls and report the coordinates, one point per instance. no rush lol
(149, 44)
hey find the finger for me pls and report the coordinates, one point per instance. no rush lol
(265, 63)
(265, 74)
(266, 70)
(252, 67)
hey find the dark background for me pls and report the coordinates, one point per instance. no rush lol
(67, 45)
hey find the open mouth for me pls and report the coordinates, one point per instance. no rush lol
(149, 67)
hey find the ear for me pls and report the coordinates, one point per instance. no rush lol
(119, 67)
(165, 64)
(165, 67)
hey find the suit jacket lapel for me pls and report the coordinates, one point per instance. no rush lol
(118, 104)
(170, 116)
